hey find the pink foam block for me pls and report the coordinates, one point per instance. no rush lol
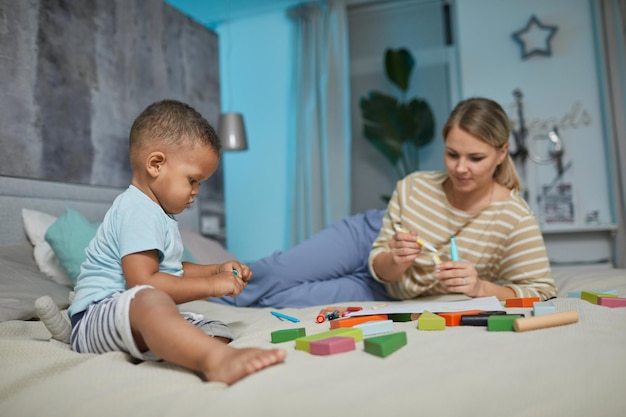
(332, 345)
(612, 302)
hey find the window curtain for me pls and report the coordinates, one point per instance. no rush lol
(320, 133)
(610, 20)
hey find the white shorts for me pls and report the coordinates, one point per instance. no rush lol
(105, 327)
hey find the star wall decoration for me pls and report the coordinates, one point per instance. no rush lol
(535, 38)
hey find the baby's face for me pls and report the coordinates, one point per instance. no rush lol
(180, 178)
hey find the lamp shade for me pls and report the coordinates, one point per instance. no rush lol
(232, 132)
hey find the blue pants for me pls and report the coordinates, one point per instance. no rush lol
(330, 267)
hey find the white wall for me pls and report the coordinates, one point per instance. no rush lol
(561, 89)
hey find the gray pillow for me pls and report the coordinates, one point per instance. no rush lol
(21, 283)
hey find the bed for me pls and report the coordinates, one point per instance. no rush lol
(574, 370)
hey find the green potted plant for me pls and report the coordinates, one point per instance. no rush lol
(398, 127)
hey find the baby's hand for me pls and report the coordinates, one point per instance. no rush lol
(236, 268)
(226, 283)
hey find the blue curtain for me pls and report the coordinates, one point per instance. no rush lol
(610, 21)
(320, 133)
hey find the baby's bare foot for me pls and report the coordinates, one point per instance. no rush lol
(239, 363)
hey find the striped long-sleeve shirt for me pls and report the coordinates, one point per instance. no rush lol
(503, 241)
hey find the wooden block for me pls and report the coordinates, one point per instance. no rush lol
(304, 343)
(285, 335)
(384, 345)
(543, 307)
(454, 318)
(592, 296)
(548, 320)
(521, 302)
(430, 321)
(502, 323)
(332, 345)
(376, 327)
(351, 321)
(612, 301)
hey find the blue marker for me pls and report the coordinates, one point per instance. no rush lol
(454, 251)
(284, 316)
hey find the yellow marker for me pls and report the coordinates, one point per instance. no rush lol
(436, 259)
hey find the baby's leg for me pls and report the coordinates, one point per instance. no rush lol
(157, 325)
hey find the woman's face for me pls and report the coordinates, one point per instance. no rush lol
(471, 162)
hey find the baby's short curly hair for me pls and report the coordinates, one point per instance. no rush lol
(171, 123)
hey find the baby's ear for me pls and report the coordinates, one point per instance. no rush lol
(55, 321)
(154, 163)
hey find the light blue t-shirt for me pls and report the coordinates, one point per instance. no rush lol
(134, 223)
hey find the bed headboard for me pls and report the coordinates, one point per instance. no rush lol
(54, 197)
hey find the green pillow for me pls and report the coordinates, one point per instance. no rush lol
(70, 234)
(68, 237)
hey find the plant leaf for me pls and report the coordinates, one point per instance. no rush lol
(398, 66)
(423, 122)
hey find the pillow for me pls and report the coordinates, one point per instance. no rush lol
(21, 283)
(68, 236)
(205, 250)
(35, 224)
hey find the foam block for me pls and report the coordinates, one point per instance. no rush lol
(592, 297)
(285, 335)
(521, 302)
(502, 323)
(304, 343)
(543, 307)
(577, 293)
(480, 319)
(332, 345)
(402, 317)
(352, 321)
(430, 321)
(453, 318)
(384, 345)
(612, 301)
(376, 327)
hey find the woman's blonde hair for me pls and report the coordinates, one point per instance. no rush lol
(487, 120)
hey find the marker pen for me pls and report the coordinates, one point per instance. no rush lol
(454, 251)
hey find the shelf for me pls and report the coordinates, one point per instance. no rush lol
(587, 228)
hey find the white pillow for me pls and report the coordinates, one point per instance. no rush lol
(36, 223)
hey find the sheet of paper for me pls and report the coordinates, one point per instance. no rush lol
(481, 303)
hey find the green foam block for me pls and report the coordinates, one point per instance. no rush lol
(304, 343)
(430, 321)
(400, 317)
(593, 296)
(286, 335)
(502, 323)
(384, 345)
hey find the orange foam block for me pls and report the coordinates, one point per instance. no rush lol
(521, 302)
(352, 321)
(612, 301)
(332, 345)
(454, 318)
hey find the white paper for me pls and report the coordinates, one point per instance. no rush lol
(481, 303)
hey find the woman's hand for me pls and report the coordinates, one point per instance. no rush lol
(404, 248)
(459, 277)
